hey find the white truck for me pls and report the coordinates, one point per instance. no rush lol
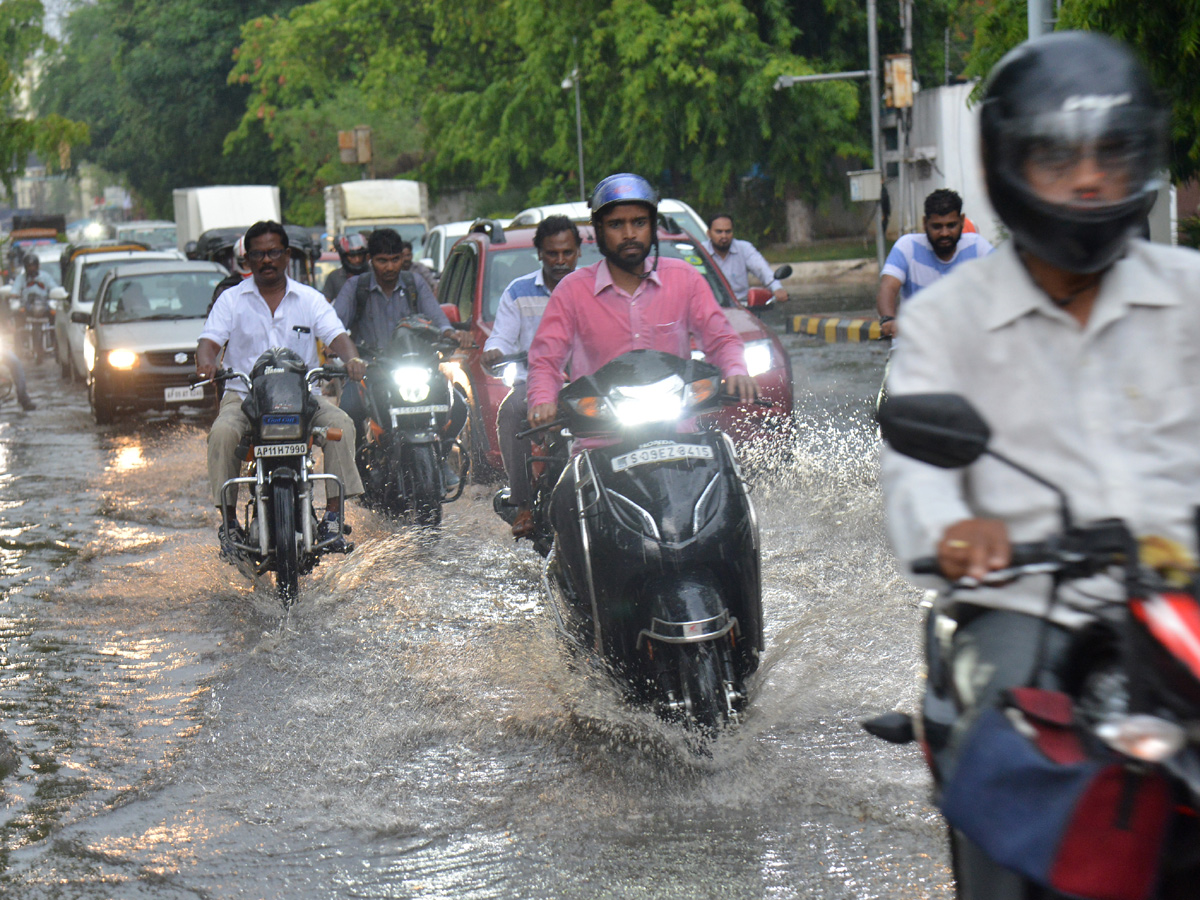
(382, 203)
(199, 209)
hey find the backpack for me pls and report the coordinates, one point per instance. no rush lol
(362, 289)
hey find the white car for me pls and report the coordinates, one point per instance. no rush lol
(438, 241)
(81, 278)
(685, 217)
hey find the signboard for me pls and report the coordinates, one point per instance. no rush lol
(865, 184)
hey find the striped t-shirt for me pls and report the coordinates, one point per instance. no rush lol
(914, 263)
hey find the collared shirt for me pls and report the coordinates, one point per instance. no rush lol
(518, 315)
(590, 321)
(1109, 412)
(44, 278)
(241, 318)
(739, 263)
(383, 311)
(915, 264)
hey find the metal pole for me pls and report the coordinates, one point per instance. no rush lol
(876, 139)
(1038, 16)
(579, 135)
(908, 216)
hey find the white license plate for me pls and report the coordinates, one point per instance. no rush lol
(183, 394)
(660, 453)
(418, 410)
(261, 450)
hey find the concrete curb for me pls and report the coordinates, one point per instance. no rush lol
(835, 330)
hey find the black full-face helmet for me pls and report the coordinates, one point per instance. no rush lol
(1050, 103)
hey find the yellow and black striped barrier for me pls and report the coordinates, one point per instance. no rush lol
(834, 331)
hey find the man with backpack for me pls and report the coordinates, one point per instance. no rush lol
(371, 304)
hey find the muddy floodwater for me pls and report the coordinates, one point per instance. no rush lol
(411, 729)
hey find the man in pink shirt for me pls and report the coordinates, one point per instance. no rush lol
(621, 304)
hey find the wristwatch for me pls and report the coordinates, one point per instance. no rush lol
(883, 320)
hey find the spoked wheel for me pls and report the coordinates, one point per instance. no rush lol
(287, 555)
(424, 484)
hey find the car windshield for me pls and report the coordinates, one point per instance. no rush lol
(163, 295)
(156, 237)
(92, 277)
(505, 265)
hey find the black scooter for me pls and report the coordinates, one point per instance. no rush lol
(655, 568)
(409, 403)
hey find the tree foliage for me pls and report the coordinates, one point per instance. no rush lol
(50, 136)
(149, 78)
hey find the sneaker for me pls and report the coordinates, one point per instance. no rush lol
(522, 525)
(449, 476)
(227, 534)
(327, 529)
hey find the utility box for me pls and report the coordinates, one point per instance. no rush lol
(898, 81)
(865, 184)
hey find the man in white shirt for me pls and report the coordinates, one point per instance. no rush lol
(1079, 345)
(264, 311)
(738, 260)
(518, 315)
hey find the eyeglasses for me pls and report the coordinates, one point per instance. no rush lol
(257, 255)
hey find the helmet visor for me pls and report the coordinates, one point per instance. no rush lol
(1090, 157)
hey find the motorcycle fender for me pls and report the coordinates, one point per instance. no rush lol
(416, 437)
(685, 609)
(282, 473)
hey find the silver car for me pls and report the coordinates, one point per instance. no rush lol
(140, 345)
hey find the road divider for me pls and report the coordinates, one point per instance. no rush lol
(836, 330)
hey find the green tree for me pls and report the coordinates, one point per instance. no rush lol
(150, 80)
(49, 136)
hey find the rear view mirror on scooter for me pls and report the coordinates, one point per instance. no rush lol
(944, 430)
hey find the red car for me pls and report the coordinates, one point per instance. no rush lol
(482, 264)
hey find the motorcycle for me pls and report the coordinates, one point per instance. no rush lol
(408, 404)
(280, 525)
(655, 568)
(36, 316)
(1091, 790)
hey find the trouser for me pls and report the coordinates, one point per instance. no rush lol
(510, 419)
(17, 372)
(232, 425)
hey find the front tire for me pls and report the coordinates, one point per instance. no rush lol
(422, 476)
(103, 411)
(702, 686)
(287, 556)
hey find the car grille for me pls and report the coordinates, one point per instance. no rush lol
(167, 357)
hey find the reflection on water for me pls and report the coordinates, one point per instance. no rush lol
(413, 726)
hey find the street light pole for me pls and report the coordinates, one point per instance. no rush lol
(876, 137)
(579, 134)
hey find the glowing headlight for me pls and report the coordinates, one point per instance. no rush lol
(413, 382)
(1143, 737)
(122, 359)
(509, 375)
(758, 357)
(641, 404)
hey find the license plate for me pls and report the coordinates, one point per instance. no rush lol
(417, 410)
(183, 394)
(660, 453)
(261, 450)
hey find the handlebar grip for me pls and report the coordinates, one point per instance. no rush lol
(926, 565)
(1030, 554)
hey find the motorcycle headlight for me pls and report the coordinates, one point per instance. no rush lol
(759, 357)
(122, 359)
(413, 382)
(641, 404)
(1143, 737)
(281, 427)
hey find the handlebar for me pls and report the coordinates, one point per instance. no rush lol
(734, 399)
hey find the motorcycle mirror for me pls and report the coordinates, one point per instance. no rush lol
(58, 293)
(943, 430)
(784, 271)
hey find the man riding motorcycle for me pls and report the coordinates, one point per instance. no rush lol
(1077, 342)
(352, 251)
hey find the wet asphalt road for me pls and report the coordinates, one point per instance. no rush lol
(411, 729)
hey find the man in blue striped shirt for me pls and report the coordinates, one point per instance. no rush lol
(918, 260)
(517, 317)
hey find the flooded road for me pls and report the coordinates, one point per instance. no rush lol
(411, 729)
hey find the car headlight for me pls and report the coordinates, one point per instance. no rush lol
(759, 357)
(122, 359)
(645, 403)
(413, 382)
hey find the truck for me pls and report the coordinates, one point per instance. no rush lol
(200, 209)
(382, 203)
